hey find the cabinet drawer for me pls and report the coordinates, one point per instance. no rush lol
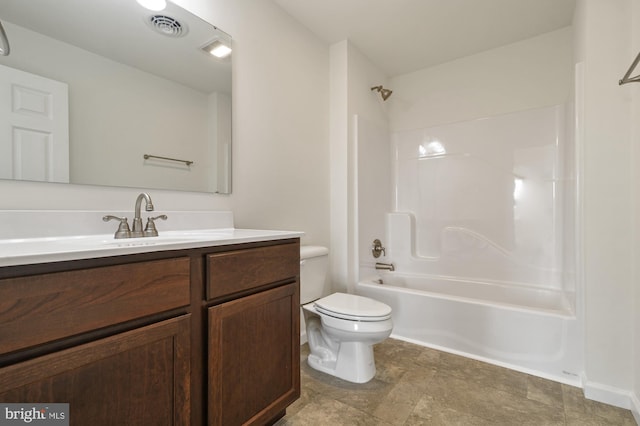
(48, 307)
(241, 270)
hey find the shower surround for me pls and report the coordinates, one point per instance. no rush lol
(489, 199)
(481, 233)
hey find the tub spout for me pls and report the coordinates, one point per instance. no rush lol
(385, 266)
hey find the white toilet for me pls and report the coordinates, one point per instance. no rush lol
(341, 328)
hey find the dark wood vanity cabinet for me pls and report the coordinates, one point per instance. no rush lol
(111, 341)
(197, 336)
(254, 341)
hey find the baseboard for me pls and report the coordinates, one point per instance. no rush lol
(635, 407)
(610, 395)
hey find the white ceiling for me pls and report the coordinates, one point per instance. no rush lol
(402, 36)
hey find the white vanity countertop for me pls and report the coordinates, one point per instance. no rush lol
(23, 251)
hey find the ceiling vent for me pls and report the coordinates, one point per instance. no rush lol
(167, 26)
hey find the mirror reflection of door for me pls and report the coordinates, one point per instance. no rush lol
(34, 124)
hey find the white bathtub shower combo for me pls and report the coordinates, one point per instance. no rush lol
(481, 235)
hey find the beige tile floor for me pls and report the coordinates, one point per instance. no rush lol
(421, 386)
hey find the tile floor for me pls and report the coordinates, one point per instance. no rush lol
(421, 386)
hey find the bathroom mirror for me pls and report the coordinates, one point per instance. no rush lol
(106, 92)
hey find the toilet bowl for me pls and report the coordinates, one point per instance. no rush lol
(341, 328)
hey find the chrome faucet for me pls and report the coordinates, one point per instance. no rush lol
(385, 266)
(137, 230)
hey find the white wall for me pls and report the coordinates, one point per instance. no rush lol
(341, 192)
(635, 138)
(280, 131)
(532, 73)
(281, 102)
(604, 48)
(374, 183)
(352, 76)
(369, 135)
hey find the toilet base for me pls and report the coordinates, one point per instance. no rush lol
(354, 362)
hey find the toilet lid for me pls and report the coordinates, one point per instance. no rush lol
(353, 307)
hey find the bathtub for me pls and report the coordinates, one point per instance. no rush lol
(528, 329)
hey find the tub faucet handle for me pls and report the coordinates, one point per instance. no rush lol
(377, 248)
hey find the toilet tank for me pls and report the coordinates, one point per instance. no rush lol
(314, 264)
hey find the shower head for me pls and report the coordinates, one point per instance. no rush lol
(385, 93)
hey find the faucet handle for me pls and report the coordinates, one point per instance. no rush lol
(377, 249)
(150, 230)
(123, 229)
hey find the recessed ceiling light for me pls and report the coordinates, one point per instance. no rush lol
(218, 49)
(155, 5)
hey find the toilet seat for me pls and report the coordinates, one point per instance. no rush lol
(352, 307)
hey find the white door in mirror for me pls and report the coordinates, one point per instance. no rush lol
(34, 127)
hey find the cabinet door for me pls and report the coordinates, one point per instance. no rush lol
(140, 377)
(254, 357)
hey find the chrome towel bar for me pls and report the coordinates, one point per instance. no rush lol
(187, 162)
